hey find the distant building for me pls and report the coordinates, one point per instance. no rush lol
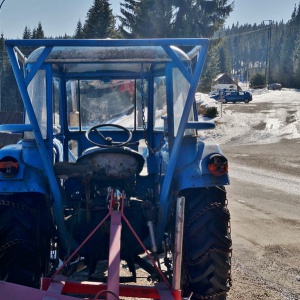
(9, 117)
(224, 81)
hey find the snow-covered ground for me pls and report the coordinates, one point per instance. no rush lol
(270, 117)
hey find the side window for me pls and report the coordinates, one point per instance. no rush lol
(160, 101)
(56, 117)
(37, 93)
(180, 91)
(72, 105)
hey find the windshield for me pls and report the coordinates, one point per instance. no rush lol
(92, 102)
(125, 102)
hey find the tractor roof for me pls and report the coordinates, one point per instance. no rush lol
(107, 54)
(122, 58)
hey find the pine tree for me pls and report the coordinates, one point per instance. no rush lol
(296, 51)
(211, 69)
(173, 18)
(79, 34)
(129, 19)
(27, 33)
(100, 22)
(276, 46)
(296, 59)
(288, 48)
(200, 18)
(224, 58)
(146, 18)
(154, 19)
(38, 33)
(10, 99)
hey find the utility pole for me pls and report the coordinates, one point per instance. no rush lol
(268, 65)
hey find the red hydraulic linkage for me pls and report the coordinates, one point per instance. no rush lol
(58, 285)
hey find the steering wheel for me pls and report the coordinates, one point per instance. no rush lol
(108, 141)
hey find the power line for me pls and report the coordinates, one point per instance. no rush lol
(238, 34)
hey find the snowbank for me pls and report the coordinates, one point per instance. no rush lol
(269, 118)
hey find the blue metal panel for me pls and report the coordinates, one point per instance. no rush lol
(197, 175)
(31, 181)
(15, 128)
(200, 125)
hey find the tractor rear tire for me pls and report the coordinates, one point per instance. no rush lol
(206, 244)
(25, 233)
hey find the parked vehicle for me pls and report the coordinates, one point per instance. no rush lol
(223, 91)
(275, 86)
(233, 96)
(110, 167)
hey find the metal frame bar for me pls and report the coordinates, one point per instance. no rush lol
(21, 81)
(178, 243)
(108, 42)
(164, 196)
(59, 285)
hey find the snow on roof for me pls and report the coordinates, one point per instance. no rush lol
(112, 54)
(224, 76)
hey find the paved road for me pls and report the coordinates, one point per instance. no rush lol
(264, 200)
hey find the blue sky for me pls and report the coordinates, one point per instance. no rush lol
(61, 16)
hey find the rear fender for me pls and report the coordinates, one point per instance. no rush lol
(192, 170)
(28, 177)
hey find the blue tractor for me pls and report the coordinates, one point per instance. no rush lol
(110, 167)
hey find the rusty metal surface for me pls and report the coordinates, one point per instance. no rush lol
(104, 166)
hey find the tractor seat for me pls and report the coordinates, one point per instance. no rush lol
(102, 164)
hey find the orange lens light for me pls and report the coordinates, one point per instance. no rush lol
(217, 165)
(9, 166)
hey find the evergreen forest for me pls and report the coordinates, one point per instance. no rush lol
(241, 50)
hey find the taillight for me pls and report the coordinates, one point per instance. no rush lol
(217, 165)
(9, 166)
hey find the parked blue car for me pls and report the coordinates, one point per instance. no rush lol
(234, 96)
